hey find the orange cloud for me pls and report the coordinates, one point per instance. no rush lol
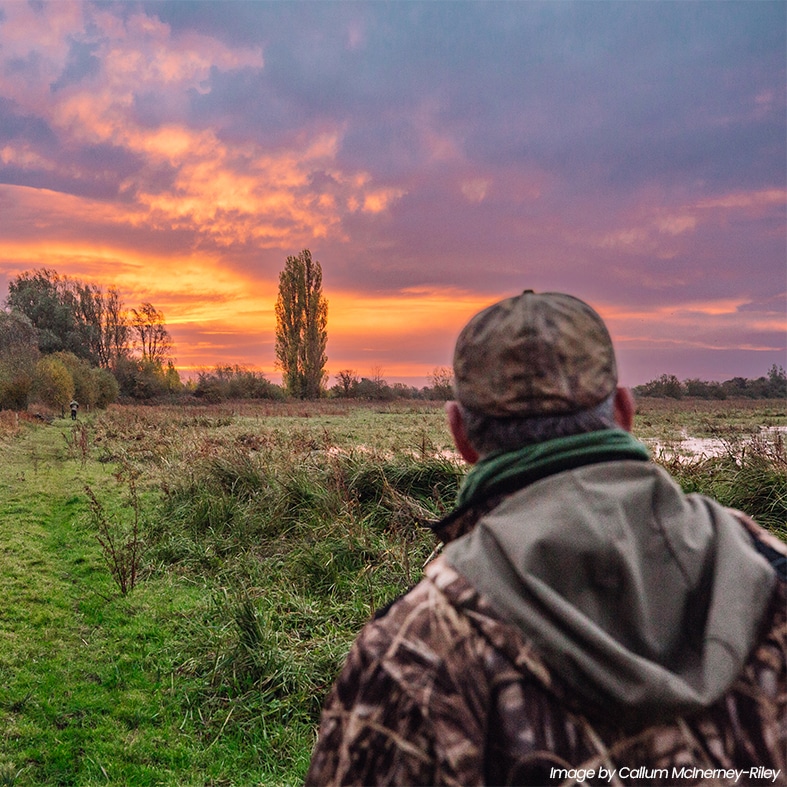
(663, 312)
(230, 194)
(378, 200)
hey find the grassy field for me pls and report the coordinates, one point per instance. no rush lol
(181, 584)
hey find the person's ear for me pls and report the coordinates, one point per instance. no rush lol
(624, 408)
(457, 426)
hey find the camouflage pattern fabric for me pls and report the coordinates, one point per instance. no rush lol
(536, 353)
(440, 691)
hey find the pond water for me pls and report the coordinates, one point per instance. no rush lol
(699, 447)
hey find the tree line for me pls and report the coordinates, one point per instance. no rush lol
(771, 386)
(62, 338)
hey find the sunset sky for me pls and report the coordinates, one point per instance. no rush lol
(433, 156)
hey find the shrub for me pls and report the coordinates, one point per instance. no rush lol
(146, 378)
(106, 387)
(18, 357)
(53, 384)
(235, 382)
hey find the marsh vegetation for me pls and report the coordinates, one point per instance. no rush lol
(260, 538)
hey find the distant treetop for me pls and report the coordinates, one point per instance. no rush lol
(772, 386)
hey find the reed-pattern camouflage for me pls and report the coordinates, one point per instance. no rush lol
(439, 690)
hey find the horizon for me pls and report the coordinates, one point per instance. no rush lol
(418, 382)
(434, 158)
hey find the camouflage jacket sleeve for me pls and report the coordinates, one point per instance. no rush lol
(401, 712)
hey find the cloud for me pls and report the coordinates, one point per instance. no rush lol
(631, 153)
(229, 193)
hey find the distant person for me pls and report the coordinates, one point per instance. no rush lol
(587, 622)
(74, 407)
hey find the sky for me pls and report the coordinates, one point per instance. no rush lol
(434, 157)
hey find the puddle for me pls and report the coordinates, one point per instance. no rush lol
(706, 447)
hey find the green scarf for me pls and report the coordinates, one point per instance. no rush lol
(511, 470)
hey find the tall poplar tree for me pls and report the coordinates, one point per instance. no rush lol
(302, 327)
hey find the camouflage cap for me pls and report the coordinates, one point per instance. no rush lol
(534, 354)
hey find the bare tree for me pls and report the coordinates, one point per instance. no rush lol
(378, 380)
(442, 382)
(117, 330)
(347, 380)
(152, 336)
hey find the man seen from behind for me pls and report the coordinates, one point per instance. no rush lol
(587, 621)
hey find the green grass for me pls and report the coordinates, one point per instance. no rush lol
(269, 533)
(86, 694)
(265, 551)
(667, 419)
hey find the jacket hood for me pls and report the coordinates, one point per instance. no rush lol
(646, 601)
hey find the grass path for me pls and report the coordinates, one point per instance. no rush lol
(87, 691)
(62, 678)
